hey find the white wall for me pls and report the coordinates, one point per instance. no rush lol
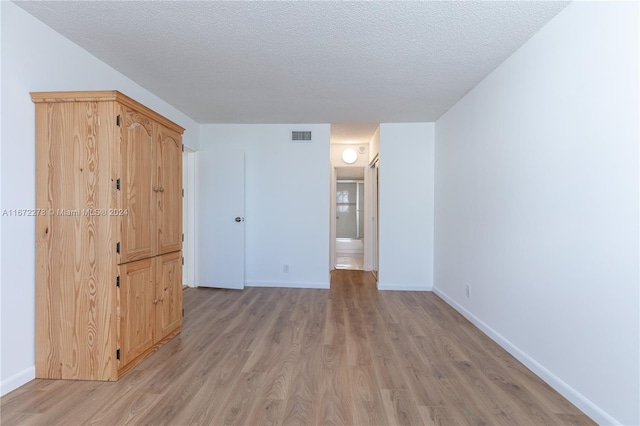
(406, 206)
(374, 145)
(35, 58)
(286, 201)
(537, 207)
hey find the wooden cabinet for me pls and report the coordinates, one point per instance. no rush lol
(150, 303)
(168, 294)
(136, 308)
(168, 190)
(137, 182)
(108, 233)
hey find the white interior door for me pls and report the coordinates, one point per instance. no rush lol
(220, 218)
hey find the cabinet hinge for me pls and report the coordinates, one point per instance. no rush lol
(118, 184)
(118, 354)
(118, 247)
(183, 237)
(118, 281)
(182, 147)
(183, 261)
(183, 192)
(182, 312)
(118, 120)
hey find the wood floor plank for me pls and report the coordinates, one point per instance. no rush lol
(416, 370)
(442, 416)
(400, 407)
(275, 340)
(368, 404)
(307, 320)
(346, 356)
(266, 412)
(237, 409)
(384, 359)
(24, 419)
(334, 401)
(131, 407)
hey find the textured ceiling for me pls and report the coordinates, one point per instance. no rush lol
(302, 62)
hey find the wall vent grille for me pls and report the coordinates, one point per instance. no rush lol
(301, 136)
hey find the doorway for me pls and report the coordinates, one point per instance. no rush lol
(350, 224)
(353, 197)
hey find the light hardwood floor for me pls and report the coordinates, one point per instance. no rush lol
(350, 356)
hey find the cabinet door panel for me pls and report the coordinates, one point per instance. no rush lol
(137, 186)
(75, 257)
(169, 184)
(169, 294)
(137, 313)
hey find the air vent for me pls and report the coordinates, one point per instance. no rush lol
(300, 136)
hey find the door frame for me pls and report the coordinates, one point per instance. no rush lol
(368, 229)
(189, 217)
(371, 217)
(332, 219)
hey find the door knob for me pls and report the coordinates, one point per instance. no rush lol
(238, 219)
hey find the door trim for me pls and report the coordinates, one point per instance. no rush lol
(189, 217)
(332, 219)
(367, 231)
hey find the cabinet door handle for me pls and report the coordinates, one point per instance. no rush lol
(155, 301)
(161, 189)
(156, 189)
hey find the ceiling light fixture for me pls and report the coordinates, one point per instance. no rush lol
(349, 156)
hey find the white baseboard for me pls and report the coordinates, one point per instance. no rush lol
(17, 380)
(576, 398)
(404, 287)
(286, 284)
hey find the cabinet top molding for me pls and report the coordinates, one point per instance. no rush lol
(104, 96)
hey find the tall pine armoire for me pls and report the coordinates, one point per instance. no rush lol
(108, 233)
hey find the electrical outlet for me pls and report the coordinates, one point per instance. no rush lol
(468, 290)
(285, 268)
